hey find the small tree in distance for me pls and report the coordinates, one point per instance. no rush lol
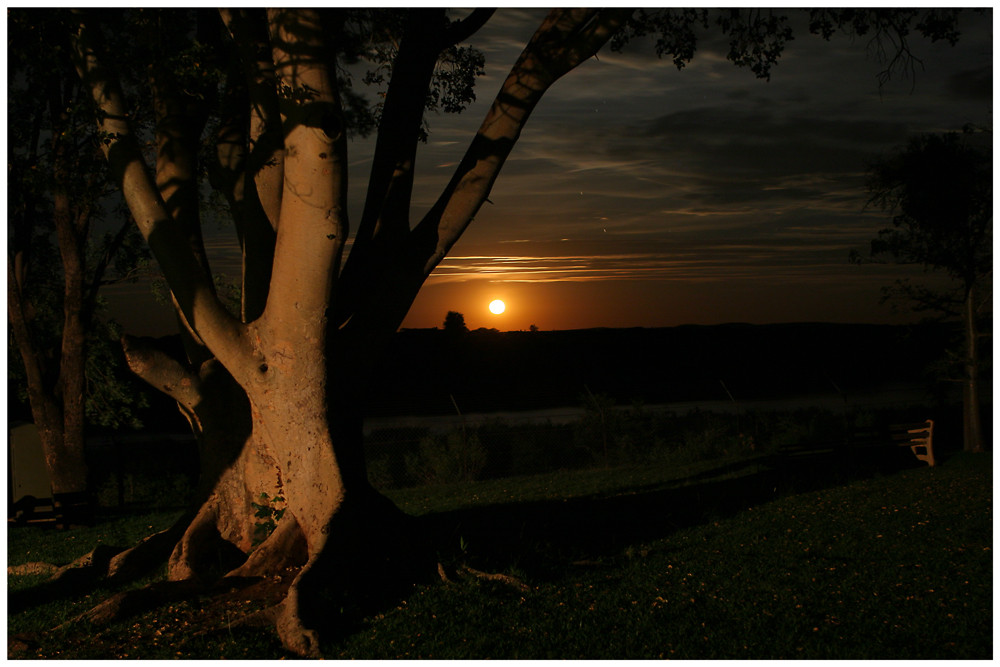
(455, 323)
(939, 189)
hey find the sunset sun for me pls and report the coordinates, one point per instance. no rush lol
(497, 306)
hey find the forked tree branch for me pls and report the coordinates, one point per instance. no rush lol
(565, 39)
(98, 280)
(160, 370)
(390, 184)
(385, 220)
(459, 31)
(194, 292)
(229, 176)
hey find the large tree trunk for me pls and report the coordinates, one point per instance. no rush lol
(275, 402)
(345, 534)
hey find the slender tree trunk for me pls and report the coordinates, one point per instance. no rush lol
(971, 417)
(45, 409)
(72, 474)
(71, 229)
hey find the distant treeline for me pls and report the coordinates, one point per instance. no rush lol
(488, 370)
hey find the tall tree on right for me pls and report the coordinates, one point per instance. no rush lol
(939, 190)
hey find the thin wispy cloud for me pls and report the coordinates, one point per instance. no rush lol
(784, 257)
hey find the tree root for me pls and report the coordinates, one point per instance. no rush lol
(298, 602)
(148, 554)
(87, 568)
(296, 636)
(378, 554)
(118, 564)
(265, 618)
(284, 549)
(129, 603)
(32, 568)
(464, 571)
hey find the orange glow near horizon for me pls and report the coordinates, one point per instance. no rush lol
(622, 303)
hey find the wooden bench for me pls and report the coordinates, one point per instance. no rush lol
(60, 509)
(918, 436)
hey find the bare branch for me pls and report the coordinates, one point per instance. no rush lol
(97, 280)
(459, 31)
(162, 371)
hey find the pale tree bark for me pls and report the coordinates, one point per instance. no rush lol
(291, 370)
(166, 212)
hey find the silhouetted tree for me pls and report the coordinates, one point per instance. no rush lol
(454, 323)
(272, 393)
(939, 190)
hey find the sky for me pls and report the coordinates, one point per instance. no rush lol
(640, 195)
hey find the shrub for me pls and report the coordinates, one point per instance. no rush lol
(456, 456)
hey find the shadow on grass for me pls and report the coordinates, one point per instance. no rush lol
(541, 539)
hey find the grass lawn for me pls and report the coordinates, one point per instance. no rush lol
(706, 561)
